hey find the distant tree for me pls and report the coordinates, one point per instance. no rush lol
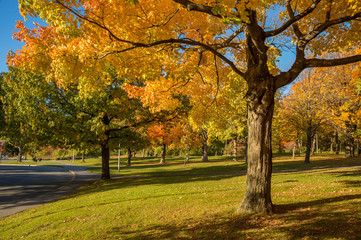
(303, 107)
(42, 112)
(132, 141)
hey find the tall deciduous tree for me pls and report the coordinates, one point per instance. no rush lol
(304, 106)
(172, 36)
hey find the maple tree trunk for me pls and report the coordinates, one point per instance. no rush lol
(331, 146)
(129, 159)
(235, 149)
(350, 140)
(279, 147)
(20, 154)
(337, 143)
(308, 146)
(105, 161)
(246, 151)
(162, 154)
(259, 154)
(313, 146)
(205, 145)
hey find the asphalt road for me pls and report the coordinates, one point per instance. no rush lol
(23, 187)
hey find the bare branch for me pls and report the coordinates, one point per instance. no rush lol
(226, 42)
(291, 14)
(294, 19)
(324, 26)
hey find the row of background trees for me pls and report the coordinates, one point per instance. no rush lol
(309, 118)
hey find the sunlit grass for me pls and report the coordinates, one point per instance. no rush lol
(312, 204)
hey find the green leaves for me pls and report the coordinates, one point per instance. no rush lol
(131, 2)
(217, 9)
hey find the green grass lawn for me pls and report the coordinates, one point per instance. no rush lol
(190, 203)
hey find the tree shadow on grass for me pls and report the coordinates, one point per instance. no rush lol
(310, 220)
(323, 219)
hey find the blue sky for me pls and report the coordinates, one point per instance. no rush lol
(9, 14)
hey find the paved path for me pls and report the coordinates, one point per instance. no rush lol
(23, 187)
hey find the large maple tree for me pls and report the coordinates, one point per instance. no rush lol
(168, 40)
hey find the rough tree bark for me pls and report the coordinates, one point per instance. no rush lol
(259, 167)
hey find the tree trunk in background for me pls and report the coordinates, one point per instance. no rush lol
(310, 136)
(279, 146)
(337, 144)
(293, 151)
(163, 153)
(235, 149)
(350, 140)
(83, 157)
(20, 154)
(105, 150)
(105, 161)
(187, 156)
(129, 159)
(313, 146)
(143, 152)
(257, 197)
(332, 142)
(316, 138)
(205, 145)
(299, 144)
(358, 147)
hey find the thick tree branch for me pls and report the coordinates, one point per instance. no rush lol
(185, 41)
(324, 26)
(191, 6)
(291, 14)
(316, 62)
(294, 19)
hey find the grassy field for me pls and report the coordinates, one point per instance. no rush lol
(199, 201)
